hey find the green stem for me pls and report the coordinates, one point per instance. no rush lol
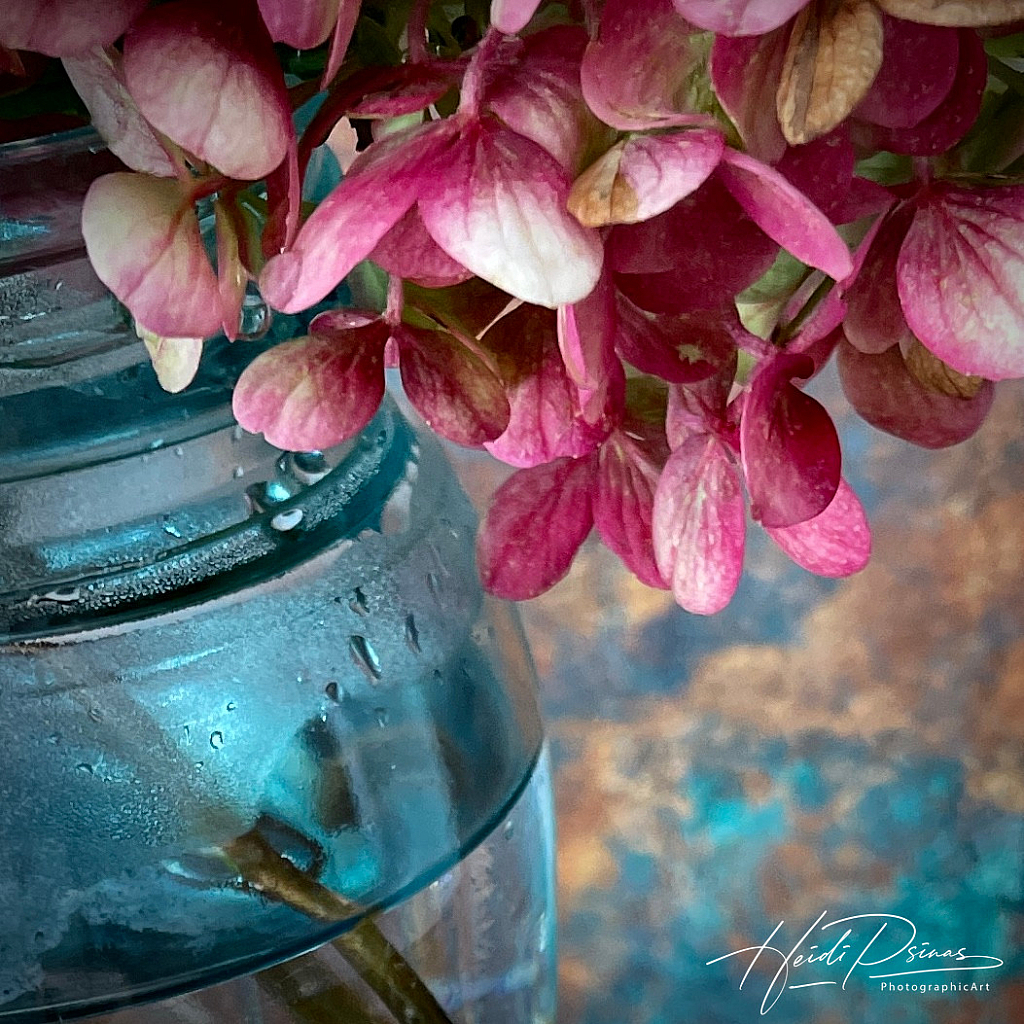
(786, 332)
(365, 947)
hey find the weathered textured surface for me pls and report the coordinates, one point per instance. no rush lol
(852, 747)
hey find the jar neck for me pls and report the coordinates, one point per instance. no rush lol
(128, 537)
(118, 499)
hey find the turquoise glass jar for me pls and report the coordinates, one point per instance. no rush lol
(250, 700)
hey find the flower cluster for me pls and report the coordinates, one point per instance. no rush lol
(618, 238)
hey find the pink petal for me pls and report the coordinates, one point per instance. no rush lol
(65, 28)
(284, 197)
(143, 241)
(498, 208)
(822, 171)
(175, 360)
(960, 275)
(408, 252)
(919, 65)
(739, 17)
(836, 542)
(700, 408)
(945, 126)
(415, 87)
(586, 340)
(697, 256)
(314, 392)
(744, 70)
(624, 505)
(511, 16)
(547, 419)
(98, 78)
(538, 95)
(785, 214)
(864, 199)
(645, 175)
(179, 55)
(304, 24)
(636, 71)
(874, 317)
(458, 395)
(885, 394)
(345, 228)
(789, 446)
(344, 28)
(680, 348)
(699, 525)
(232, 278)
(537, 520)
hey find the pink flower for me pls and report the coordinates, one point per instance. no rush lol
(143, 239)
(717, 238)
(65, 29)
(915, 78)
(946, 267)
(316, 391)
(612, 488)
(492, 199)
(178, 55)
(779, 445)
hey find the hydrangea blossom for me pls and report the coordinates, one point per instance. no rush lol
(619, 238)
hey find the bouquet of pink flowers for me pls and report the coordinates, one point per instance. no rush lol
(611, 240)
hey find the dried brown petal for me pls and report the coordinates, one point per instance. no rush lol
(955, 13)
(834, 53)
(600, 196)
(935, 375)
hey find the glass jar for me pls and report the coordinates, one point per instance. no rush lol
(249, 699)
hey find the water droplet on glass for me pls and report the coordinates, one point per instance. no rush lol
(95, 714)
(188, 733)
(158, 443)
(237, 433)
(509, 830)
(309, 467)
(256, 317)
(216, 739)
(381, 714)
(54, 737)
(433, 585)
(364, 656)
(357, 602)
(199, 766)
(172, 530)
(179, 451)
(266, 495)
(333, 691)
(85, 769)
(287, 520)
(230, 706)
(412, 634)
(438, 678)
(238, 472)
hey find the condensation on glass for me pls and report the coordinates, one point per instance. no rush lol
(204, 638)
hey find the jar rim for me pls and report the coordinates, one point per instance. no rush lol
(69, 142)
(271, 541)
